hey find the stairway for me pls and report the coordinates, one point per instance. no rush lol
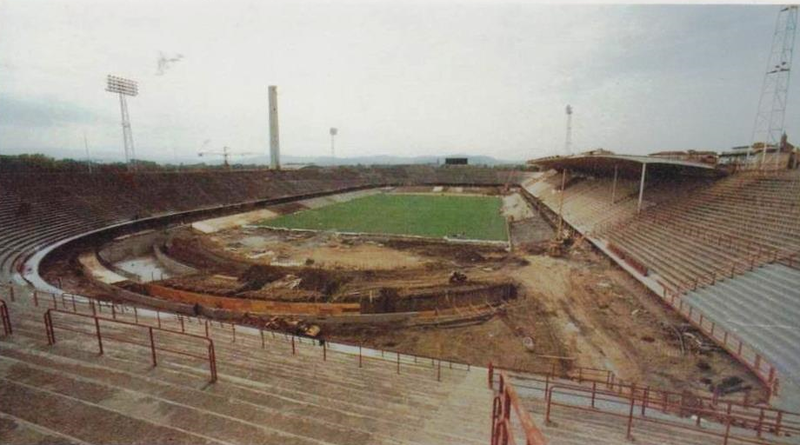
(68, 391)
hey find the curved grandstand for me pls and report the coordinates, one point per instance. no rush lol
(723, 252)
(202, 354)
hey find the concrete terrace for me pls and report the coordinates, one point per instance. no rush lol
(67, 393)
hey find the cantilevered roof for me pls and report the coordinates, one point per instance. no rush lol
(627, 165)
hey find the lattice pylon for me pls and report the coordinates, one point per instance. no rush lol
(769, 125)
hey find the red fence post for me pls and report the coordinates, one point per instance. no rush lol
(212, 361)
(7, 330)
(630, 413)
(152, 345)
(99, 338)
(48, 328)
(495, 416)
(546, 383)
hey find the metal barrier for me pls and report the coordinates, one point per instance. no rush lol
(677, 403)
(503, 404)
(51, 337)
(7, 330)
(635, 407)
(748, 356)
(710, 409)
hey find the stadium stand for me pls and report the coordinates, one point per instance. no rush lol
(269, 389)
(275, 389)
(37, 210)
(730, 246)
(147, 378)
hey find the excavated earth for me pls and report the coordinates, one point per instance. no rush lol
(579, 310)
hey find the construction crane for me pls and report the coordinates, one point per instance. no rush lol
(225, 153)
(769, 126)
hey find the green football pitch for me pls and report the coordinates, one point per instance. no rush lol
(471, 217)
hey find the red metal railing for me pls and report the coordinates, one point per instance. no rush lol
(634, 408)
(504, 403)
(604, 378)
(709, 409)
(51, 337)
(744, 353)
(7, 330)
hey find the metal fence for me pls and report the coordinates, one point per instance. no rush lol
(98, 321)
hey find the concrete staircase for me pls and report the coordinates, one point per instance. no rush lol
(609, 422)
(68, 393)
(763, 308)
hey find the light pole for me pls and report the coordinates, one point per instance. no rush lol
(334, 131)
(125, 87)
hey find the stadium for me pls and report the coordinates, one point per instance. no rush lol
(592, 297)
(674, 323)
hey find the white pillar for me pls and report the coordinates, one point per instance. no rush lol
(641, 188)
(561, 203)
(614, 187)
(274, 139)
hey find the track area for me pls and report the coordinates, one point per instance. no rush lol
(436, 216)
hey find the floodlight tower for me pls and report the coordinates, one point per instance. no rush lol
(771, 113)
(125, 87)
(568, 143)
(334, 132)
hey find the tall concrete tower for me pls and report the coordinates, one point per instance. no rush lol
(274, 139)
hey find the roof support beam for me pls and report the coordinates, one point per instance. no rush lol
(641, 188)
(614, 187)
(561, 204)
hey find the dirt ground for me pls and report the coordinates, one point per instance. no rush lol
(579, 310)
(325, 249)
(583, 311)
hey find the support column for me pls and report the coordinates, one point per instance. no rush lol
(561, 203)
(614, 187)
(274, 138)
(641, 188)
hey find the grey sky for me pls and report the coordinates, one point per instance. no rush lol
(400, 79)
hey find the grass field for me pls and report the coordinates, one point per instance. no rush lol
(472, 217)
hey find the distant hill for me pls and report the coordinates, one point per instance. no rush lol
(106, 156)
(384, 160)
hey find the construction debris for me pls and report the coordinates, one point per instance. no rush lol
(457, 277)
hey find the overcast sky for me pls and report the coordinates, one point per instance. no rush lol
(399, 79)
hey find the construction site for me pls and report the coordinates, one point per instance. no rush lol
(588, 297)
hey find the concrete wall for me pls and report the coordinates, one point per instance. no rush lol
(129, 246)
(173, 266)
